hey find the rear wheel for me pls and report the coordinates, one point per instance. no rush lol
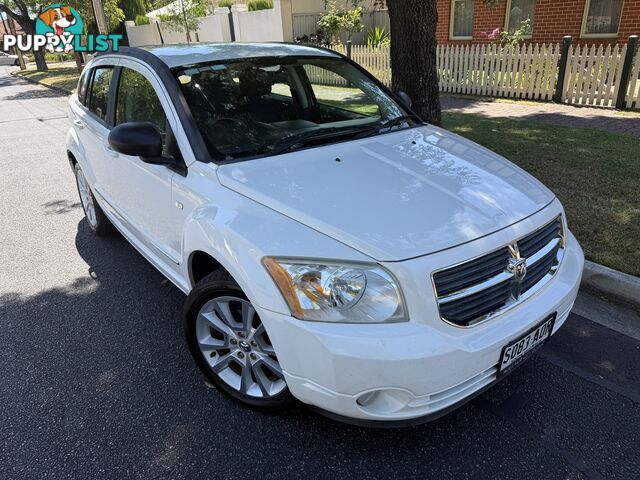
(230, 344)
(97, 220)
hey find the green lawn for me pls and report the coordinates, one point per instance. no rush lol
(62, 75)
(595, 174)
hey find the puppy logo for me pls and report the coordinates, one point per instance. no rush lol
(61, 21)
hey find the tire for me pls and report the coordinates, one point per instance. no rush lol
(96, 219)
(234, 354)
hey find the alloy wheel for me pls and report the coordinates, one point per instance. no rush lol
(235, 345)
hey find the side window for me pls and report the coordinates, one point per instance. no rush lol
(333, 90)
(82, 86)
(99, 96)
(137, 101)
(282, 89)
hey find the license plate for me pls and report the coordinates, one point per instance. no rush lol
(518, 350)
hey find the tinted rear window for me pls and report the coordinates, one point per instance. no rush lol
(99, 96)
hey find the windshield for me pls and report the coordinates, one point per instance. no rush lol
(267, 106)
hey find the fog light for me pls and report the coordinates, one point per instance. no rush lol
(367, 398)
(384, 401)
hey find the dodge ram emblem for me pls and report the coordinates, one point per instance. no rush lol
(518, 266)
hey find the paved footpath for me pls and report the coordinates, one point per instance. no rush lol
(605, 119)
(96, 381)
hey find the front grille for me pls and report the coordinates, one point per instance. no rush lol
(478, 289)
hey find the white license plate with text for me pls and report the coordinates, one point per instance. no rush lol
(519, 349)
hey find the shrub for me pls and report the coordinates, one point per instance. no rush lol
(378, 37)
(225, 3)
(58, 57)
(142, 20)
(509, 39)
(337, 21)
(259, 5)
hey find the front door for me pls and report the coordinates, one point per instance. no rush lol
(142, 192)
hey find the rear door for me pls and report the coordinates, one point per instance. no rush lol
(92, 124)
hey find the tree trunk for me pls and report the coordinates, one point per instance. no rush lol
(413, 54)
(29, 28)
(79, 63)
(41, 64)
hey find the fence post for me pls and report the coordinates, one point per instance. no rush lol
(626, 70)
(349, 49)
(562, 69)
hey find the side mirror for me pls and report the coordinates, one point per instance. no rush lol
(405, 98)
(139, 139)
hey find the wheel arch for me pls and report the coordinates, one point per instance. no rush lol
(209, 245)
(200, 264)
(75, 150)
(72, 159)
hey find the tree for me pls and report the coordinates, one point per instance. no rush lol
(20, 11)
(113, 12)
(413, 54)
(184, 16)
(25, 13)
(132, 8)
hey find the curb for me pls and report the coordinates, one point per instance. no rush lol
(611, 283)
(35, 82)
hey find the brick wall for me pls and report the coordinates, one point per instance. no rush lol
(553, 19)
(487, 19)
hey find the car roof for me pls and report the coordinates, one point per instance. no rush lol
(189, 54)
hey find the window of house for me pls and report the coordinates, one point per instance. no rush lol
(462, 19)
(602, 18)
(99, 96)
(519, 11)
(137, 101)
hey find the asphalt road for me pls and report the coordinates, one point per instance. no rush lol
(96, 381)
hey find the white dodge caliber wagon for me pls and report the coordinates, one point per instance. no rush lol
(334, 248)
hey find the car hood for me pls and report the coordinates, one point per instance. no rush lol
(393, 196)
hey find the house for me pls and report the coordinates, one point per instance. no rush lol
(587, 21)
(464, 21)
(5, 29)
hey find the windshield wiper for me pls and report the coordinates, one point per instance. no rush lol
(299, 139)
(394, 122)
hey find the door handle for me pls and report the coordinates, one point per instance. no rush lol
(110, 151)
(78, 123)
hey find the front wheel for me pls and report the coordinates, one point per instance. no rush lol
(230, 344)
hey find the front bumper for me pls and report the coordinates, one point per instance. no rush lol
(418, 368)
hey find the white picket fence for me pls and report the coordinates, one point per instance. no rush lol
(376, 60)
(527, 71)
(593, 75)
(633, 93)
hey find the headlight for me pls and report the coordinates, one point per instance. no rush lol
(327, 292)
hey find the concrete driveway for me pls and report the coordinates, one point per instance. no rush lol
(96, 381)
